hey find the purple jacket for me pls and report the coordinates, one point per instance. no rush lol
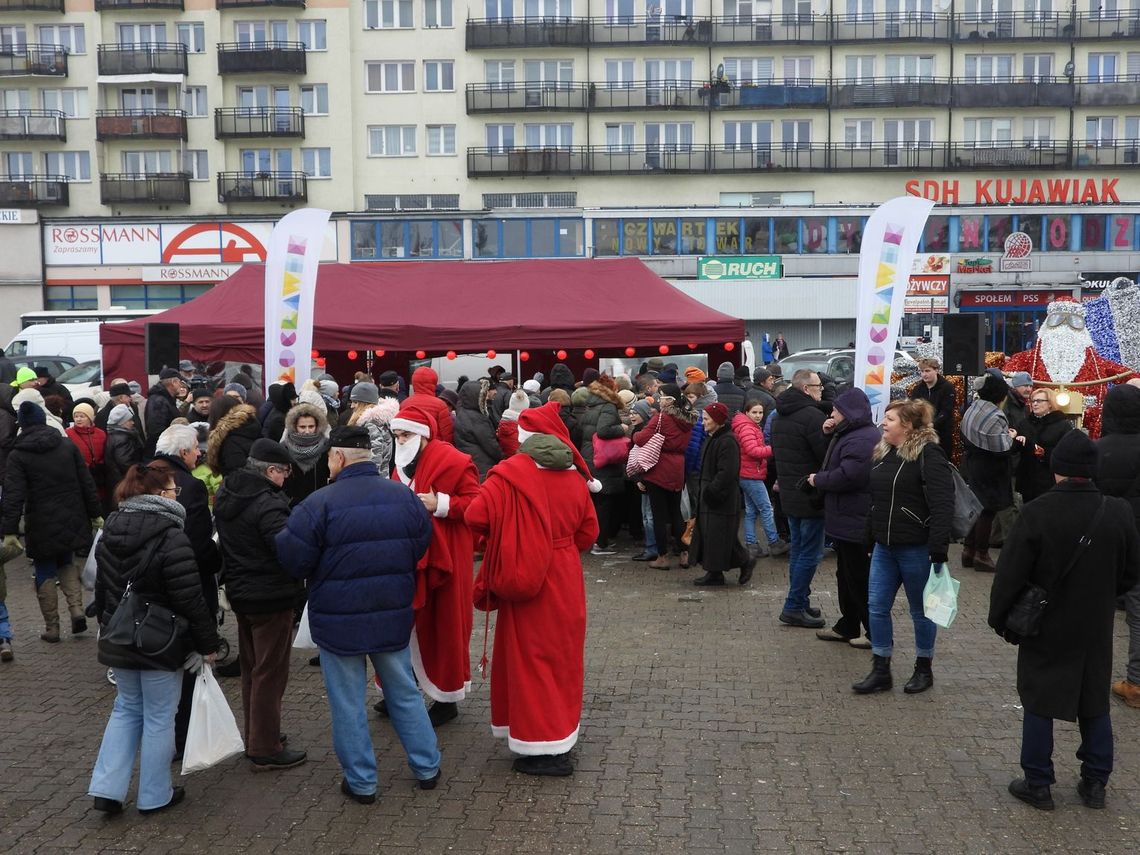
(845, 477)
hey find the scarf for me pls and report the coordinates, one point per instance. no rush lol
(986, 427)
(148, 503)
(305, 449)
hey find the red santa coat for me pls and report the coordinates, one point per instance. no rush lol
(424, 381)
(537, 522)
(441, 638)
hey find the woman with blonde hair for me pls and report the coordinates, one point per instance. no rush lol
(1038, 436)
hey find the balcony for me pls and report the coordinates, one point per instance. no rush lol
(905, 27)
(1108, 25)
(262, 187)
(244, 122)
(138, 5)
(31, 5)
(891, 92)
(529, 97)
(786, 29)
(1044, 26)
(143, 58)
(1046, 92)
(263, 57)
(1099, 92)
(527, 32)
(32, 125)
(33, 191)
(33, 61)
(1009, 155)
(1106, 153)
(247, 4)
(140, 124)
(157, 188)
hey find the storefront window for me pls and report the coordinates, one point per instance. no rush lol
(486, 239)
(155, 296)
(542, 243)
(606, 234)
(693, 241)
(635, 236)
(1120, 231)
(570, 237)
(1058, 229)
(1031, 225)
(936, 234)
(850, 234)
(1092, 231)
(815, 234)
(757, 231)
(1000, 227)
(421, 243)
(450, 238)
(364, 240)
(514, 238)
(787, 235)
(727, 236)
(664, 237)
(392, 240)
(65, 297)
(970, 234)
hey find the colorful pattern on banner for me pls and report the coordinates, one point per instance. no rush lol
(293, 256)
(890, 241)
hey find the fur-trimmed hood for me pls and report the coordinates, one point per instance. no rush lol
(305, 409)
(382, 412)
(912, 446)
(227, 424)
(606, 394)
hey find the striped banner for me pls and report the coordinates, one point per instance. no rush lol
(291, 262)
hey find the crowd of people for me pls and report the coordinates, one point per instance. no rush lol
(367, 507)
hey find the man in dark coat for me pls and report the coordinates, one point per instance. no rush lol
(121, 394)
(474, 430)
(763, 381)
(716, 538)
(561, 377)
(48, 386)
(936, 389)
(798, 447)
(727, 392)
(845, 482)
(1064, 671)
(162, 405)
(1118, 474)
(251, 508)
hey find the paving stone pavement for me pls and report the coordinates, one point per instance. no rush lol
(708, 728)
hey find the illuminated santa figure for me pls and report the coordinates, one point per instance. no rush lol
(1064, 353)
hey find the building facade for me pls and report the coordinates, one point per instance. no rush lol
(154, 142)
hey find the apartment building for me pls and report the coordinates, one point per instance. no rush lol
(146, 146)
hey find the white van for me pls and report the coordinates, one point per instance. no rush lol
(78, 340)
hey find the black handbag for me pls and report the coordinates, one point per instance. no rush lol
(1023, 620)
(148, 628)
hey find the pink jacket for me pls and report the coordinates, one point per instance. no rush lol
(754, 452)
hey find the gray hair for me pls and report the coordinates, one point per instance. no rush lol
(176, 439)
(802, 378)
(355, 455)
(258, 466)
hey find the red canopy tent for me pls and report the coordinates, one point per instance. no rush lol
(465, 306)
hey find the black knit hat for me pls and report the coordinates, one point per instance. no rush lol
(30, 414)
(1074, 456)
(268, 451)
(350, 437)
(993, 389)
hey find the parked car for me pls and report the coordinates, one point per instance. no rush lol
(836, 363)
(84, 379)
(57, 365)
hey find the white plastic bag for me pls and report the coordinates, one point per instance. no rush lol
(90, 568)
(940, 596)
(304, 639)
(213, 733)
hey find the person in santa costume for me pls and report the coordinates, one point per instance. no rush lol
(1064, 353)
(446, 481)
(535, 511)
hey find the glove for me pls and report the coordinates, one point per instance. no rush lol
(96, 523)
(12, 545)
(939, 557)
(193, 663)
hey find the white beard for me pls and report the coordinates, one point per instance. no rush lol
(1063, 352)
(524, 435)
(405, 453)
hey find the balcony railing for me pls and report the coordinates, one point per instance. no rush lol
(264, 57)
(262, 187)
(1108, 25)
(138, 5)
(143, 58)
(990, 27)
(245, 4)
(31, 5)
(891, 27)
(32, 125)
(140, 124)
(155, 188)
(1013, 92)
(235, 122)
(32, 191)
(891, 92)
(33, 60)
(1105, 92)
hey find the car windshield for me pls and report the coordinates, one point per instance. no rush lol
(85, 372)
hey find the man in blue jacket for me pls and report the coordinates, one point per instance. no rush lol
(357, 542)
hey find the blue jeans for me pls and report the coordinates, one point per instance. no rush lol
(5, 623)
(346, 681)
(806, 551)
(892, 566)
(142, 722)
(647, 523)
(757, 503)
(48, 568)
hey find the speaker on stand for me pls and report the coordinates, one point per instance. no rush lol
(162, 347)
(963, 344)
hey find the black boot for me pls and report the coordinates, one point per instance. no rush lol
(879, 680)
(922, 678)
(441, 713)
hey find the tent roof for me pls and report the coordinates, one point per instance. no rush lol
(448, 305)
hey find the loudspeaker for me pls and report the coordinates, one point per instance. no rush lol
(162, 347)
(963, 347)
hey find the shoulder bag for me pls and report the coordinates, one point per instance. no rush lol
(148, 628)
(1025, 615)
(642, 458)
(967, 508)
(610, 451)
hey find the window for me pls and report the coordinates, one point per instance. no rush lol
(1100, 130)
(556, 8)
(912, 9)
(147, 162)
(1133, 67)
(1038, 10)
(155, 296)
(265, 160)
(19, 164)
(196, 164)
(860, 10)
(499, 73)
(388, 14)
(526, 238)
(76, 165)
(390, 77)
(315, 99)
(59, 298)
(619, 73)
(1037, 131)
(258, 33)
(795, 134)
(1132, 128)
(263, 97)
(910, 68)
(1102, 68)
(13, 37)
(549, 135)
(192, 34)
(988, 10)
(137, 35)
(664, 76)
(312, 35)
(619, 136)
(194, 101)
(437, 13)
(797, 68)
(14, 99)
(988, 132)
(70, 37)
(549, 72)
(984, 68)
(860, 69)
(1037, 67)
(439, 75)
(144, 98)
(748, 69)
(499, 10)
(440, 140)
(71, 102)
(908, 133)
(316, 162)
(500, 138)
(857, 133)
(748, 135)
(391, 140)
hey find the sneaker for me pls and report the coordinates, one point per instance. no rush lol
(830, 635)
(1038, 797)
(6, 654)
(286, 758)
(1091, 793)
(862, 642)
(1126, 690)
(757, 551)
(802, 619)
(602, 550)
(359, 798)
(111, 677)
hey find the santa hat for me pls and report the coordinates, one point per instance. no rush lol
(547, 419)
(414, 419)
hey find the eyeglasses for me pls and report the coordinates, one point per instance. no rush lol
(1074, 321)
(286, 469)
(813, 385)
(1039, 401)
(177, 491)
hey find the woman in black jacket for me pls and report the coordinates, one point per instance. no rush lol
(716, 539)
(231, 438)
(1039, 435)
(123, 450)
(146, 528)
(912, 500)
(474, 430)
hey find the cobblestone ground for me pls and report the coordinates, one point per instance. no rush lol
(708, 727)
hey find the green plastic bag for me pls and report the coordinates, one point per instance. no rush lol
(940, 596)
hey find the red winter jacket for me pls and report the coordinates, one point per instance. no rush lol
(91, 442)
(424, 381)
(669, 473)
(754, 452)
(507, 433)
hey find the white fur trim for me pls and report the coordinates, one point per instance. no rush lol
(429, 688)
(410, 426)
(509, 416)
(500, 732)
(532, 749)
(595, 485)
(443, 504)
